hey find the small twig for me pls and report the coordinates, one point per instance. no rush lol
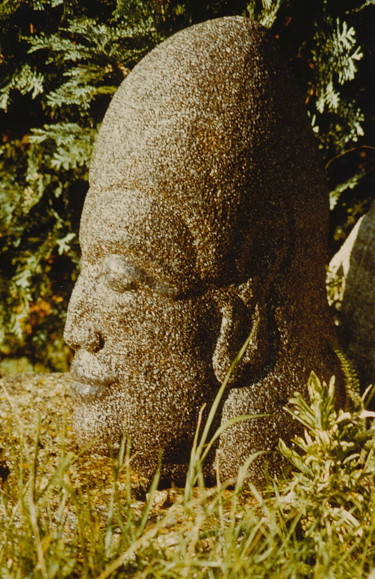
(352, 150)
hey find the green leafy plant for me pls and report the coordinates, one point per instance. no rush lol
(332, 490)
(61, 62)
(265, 11)
(72, 514)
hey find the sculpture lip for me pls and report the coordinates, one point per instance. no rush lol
(87, 384)
(86, 390)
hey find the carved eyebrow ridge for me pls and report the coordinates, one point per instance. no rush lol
(118, 268)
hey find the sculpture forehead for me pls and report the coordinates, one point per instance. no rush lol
(139, 228)
(195, 126)
(190, 125)
(181, 128)
(183, 114)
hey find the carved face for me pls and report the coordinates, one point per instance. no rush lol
(153, 337)
(143, 328)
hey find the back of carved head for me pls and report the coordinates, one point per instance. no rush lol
(210, 126)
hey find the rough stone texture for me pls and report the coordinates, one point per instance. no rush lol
(353, 271)
(206, 220)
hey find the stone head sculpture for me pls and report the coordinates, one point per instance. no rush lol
(205, 221)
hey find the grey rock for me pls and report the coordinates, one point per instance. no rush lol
(205, 221)
(352, 274)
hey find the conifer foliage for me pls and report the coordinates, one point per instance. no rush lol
(60, 63)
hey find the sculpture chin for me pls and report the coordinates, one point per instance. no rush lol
(99, 426)
(99, 419)
(86, 391)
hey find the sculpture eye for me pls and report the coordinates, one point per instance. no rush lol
(120, 275)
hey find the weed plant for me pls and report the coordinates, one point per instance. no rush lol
(318, 522)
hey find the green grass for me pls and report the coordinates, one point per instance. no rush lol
(319, 522)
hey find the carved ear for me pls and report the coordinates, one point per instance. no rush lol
(247, 310)
(237, 324)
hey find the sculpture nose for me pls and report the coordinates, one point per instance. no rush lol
(80, 331)
(82, 335)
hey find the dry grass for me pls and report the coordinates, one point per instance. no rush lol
(67, 513)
